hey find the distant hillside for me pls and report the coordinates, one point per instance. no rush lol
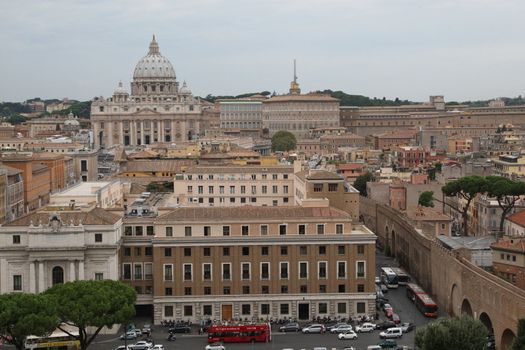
(361, 101)
(509, 101)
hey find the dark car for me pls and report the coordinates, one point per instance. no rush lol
(290, 327)
(385, 325)
(388, 344)
(180, 329)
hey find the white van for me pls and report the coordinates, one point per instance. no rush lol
(394, 332)
(373, 347)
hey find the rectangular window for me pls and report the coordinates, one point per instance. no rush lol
(322, 288)
(232, 189)
(303, 250)
(168, 272)
(245, 251)
(188, 273)
(226, 271)
(282, 230)
(361, 308)
(284, 250)
(245, 230)
(264, 251)
(200, 189)
(226, 230)
(188, 310)
(210, 189)
(284, 289)
(168, 291)
(254, 189)
(221, 189)
(206, 251)
(318, 187)
(127, 251)
(284, 309)
(245, 271)
(360, 270)
(332, 187)
(148, 251)
(341, 288)
(283, 270)
(246, 309)
(206, 272)
(187, 291)
(341, 269)
(226, 290)
(264, 230)
(265, 270)
(301, 229)
(360, 249)
(274, 189)
(303, 288)
(168, 311)
(322, 269)
(339, 229)
(16, 238)
(98, 237)
(264, 189)
(207, 231)
(149, 231)
(137, 271)
(341, 308)
(226, 251)
(265, 290)
(265, 309)
(341, 249)
(322, 308)
(138, 230)
(274, 176)
(190, 189)
(167, 251)
(245, 289)
(243, 189)
(169, 231)
(207, 310)
(137, 251)
(148, 271)
(126, 271)
(285, 189)
(187, 251)
(322, 250)
(303, 269)
(128, 230)
(187, 231)
(320, 229)
(360, 288)
(207, 291)
(17, 282)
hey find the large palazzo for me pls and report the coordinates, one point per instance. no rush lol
(156, 111)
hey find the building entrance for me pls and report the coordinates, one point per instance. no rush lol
(304, 311)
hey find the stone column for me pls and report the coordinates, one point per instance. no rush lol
(3, 276)
(121, 133)
(142, 132)
(110, 134)
(72, 275)
(41, 280)
(133, 133)
(160, 132)
(172, 130)
(32, 277)
(81, 270)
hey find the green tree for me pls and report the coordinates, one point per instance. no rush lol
(426, 199)
(507, 193)
(466, 188)
(360, 183)
(462, 332)
(16, 119)
(23, 314)
(96, 304)
(153, 187)
(519, 341)
(283, 141)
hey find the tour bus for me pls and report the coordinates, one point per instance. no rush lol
(389, 277)
(402, 277)
(413, 289)
(426, 305)
(58, 340)
(240, 333)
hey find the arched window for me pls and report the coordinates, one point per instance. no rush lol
(58, 275)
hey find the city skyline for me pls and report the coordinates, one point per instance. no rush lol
(465, 50)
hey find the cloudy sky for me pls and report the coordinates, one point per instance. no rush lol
(463, 49)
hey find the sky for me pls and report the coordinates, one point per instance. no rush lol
(462, 49)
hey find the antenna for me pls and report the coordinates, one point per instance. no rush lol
(294, 71)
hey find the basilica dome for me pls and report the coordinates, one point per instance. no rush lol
(154, 65)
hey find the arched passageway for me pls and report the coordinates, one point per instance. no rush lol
(506, 339)
(466, 309)
(454, 301)
(485, 319)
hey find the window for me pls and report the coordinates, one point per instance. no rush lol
(226, 230)
(187, 290)
(200, 189)
(245, 289)
(245, 230)
(221, 189)
(187, 231)
(303, 288)
(360, 288)
(98, 237)
(226, 271)
(284, 250)
(282, 230)
(264, 230)
(243, 189)
(246, 309)
(168, 311)
(210, 189)
(318, 187)
(245, 271)
(283, 270)
(137, 251)
(138, 271)
(206, 251)
(341, 288)
(128, 230)
(245, 251)
(226, 290)
(339, 229)
(322, 250)
(361, 307)
(138, 230)
(187, 251)
(341, 308)
(126, 271)
(169, 231)
(332, 187)
(303, 250)
(320, 229)
(265, 270)
(265, 309)
(341, 249)
(207, 290)
(207, 310)
(274, 189)
(321, 269)
(264, 189)
(17, 282)
(188, 310)
(303, 269)
(322, 288)
(168, 291)
(16, 238)
(83, 165)
(167, 251)
(360, 269)
(274, 176)
(301, 229)
(284, 309)
(264, 251)
(254, 190)
(274, 203)
(188, 273)
(232, 189)
(285, 189)
(341, 269)
(226, 251)
(322, 308)
(360, 249)
(168, 272)
(149, 231)
(148, 271)
(206, 272)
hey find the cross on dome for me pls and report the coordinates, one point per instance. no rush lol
(153, 47)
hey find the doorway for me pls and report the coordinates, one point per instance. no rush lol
(58, 275)
(304, 311)
(227, 313)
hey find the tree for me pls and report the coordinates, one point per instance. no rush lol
(23, 314)
(16, 119)
(507, 193)
(360, 183)
(466, 188)
(462, 332)
(283, 141)
(519, 341)
(96, 304)
(426, 199)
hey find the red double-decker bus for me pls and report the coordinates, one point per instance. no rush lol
(240, 333)
(426, 305)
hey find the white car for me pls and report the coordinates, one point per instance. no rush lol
(342, 328)
(158, 347)
(144, 343)
(347, 335)
(215, 346)
(365, 327)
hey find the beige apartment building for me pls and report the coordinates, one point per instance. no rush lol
(257, 185)
(250, 263)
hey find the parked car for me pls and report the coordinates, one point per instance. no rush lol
(130, 335)
(180, 328)
(158, 347)
(396, 319)
(365, 327)
(333, 325)
(122, 347)
(407, 327)
(341, 329)
(388, 344)
(347, 335)
(146, 328)
(394, 332)
(384, 288)
(142, 345)
(290, 327)
(314, 328)
(373, 347)
(215, 346)
(387, 306)
(385, 325)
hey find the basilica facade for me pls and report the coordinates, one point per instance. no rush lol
(156, 110)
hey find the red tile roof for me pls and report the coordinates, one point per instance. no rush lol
(518, 218)
(514, 244)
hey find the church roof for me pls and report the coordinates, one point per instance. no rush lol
(154, 65)
(96, 216)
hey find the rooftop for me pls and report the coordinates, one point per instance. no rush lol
(248, 169)
(83, 189)
(95, 216)
(514, 244)
(304, 98)
(471, 243)
(518, 218)
(421, 213)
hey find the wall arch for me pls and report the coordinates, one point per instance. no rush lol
(506, 339)
(466, 308)
(485, 319)
(455, 300)
(57, 275)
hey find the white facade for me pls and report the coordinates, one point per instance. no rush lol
(45, 248)
(241, 114)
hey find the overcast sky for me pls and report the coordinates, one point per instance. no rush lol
(463, 49)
